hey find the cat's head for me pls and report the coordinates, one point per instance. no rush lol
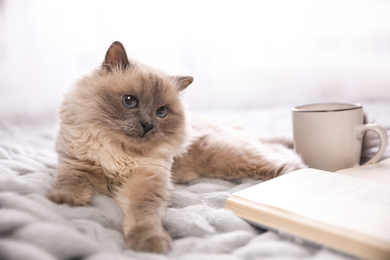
(129, 103)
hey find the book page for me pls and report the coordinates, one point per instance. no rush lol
(376, 172)
(341, 201)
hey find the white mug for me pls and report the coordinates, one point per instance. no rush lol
(328, 136)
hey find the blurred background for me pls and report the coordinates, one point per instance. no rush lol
(242, 54)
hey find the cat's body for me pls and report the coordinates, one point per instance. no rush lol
(124, 132)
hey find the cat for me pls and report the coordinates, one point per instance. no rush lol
(124, 132)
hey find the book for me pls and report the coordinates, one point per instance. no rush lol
(347, 210)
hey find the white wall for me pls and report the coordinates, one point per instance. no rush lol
(241, 53)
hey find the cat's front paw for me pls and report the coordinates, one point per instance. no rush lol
(149, 240)
(62, 196)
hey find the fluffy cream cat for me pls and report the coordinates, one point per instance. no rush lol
(124, 132)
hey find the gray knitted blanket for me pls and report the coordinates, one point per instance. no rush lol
(32, 227)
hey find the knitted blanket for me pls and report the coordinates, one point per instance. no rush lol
(32, 227)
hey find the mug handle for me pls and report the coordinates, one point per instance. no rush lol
(362, 129)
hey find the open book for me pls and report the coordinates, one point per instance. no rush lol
(348, 211)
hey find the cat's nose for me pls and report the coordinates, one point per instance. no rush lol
(146, 127)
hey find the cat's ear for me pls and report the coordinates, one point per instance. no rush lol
(116, 57)
(183, 81)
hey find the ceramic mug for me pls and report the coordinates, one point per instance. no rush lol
(328, 136)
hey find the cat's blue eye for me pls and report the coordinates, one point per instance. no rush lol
(162, 112)
(129, 101)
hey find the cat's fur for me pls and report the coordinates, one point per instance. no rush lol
(132, 154)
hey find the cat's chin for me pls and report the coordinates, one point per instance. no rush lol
(138, 140)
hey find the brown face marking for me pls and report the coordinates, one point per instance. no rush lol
(152, 91)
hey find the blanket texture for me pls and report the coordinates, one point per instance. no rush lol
(32, 227)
